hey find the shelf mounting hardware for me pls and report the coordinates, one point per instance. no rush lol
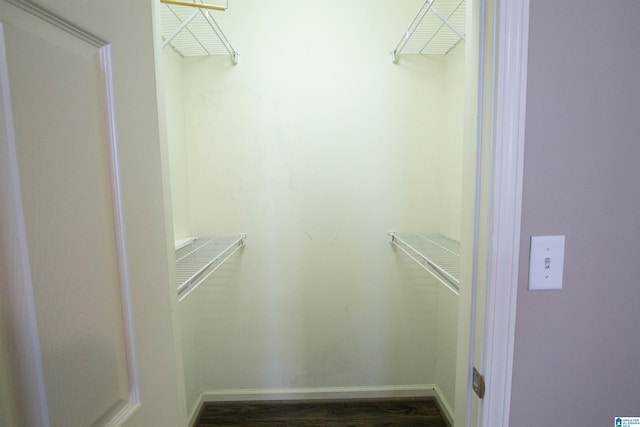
(434, 31)
(437, 254)
(199, 258)
(194, 32)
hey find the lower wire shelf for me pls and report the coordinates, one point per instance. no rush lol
(199, 258)
(437, 254)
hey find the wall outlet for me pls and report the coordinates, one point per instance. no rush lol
(546, 262)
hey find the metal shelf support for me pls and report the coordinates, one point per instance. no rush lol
(426, 32)
(194, 32)
(434, 253)
(198, 260)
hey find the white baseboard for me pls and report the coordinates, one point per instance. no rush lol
(411, 390)
(445, 407)
(195, 411)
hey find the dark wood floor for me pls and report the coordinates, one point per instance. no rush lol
(347, 413)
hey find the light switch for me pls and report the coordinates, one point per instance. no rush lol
(546, 262)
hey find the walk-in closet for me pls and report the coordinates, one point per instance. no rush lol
(315, 161)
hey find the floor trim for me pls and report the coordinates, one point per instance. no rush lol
(443, 404)
(411, 390)
(196, 409)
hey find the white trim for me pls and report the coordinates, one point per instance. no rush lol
(473, 307)
(117, 414)
(362, 392)
(18, 272)
(511, 27)
(195, 411)
(444, 405)
(57, 21)
(124, 412)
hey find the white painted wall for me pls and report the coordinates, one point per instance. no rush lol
(449, 185)
(316, 145)
(450, 165)
(189, 329)
(177, 149)
(172, 87)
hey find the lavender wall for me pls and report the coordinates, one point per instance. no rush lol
(577, 350)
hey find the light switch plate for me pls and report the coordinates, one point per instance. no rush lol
(546, 262)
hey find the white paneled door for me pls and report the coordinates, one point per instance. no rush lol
(85, 272)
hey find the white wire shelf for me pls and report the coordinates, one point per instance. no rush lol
(437, 28)
(437, 254)
(193, 31)
(199, 259)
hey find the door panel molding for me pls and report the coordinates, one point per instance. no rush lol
(121, 412)
(18, 286)
(58, 22)
(18, 276)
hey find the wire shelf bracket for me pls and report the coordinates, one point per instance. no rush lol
(199, 258)
(435, 253)
(434, 31)
(191, 30)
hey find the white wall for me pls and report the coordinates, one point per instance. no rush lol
(316, 145)
(449, 185)
(172, 87)
(449, 181)
(189, 319)
(177, 149)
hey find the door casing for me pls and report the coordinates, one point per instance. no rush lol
(494, 329)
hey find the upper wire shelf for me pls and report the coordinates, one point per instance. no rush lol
(437, 28)
(200, 258)
(437, 254)
(191, 30)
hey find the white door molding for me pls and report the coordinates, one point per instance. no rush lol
(509, 103)
(17, 289)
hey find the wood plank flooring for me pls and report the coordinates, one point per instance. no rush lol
(347, 413)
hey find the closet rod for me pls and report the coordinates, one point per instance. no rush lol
(193, 4)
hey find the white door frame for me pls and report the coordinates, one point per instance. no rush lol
(511, 26)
